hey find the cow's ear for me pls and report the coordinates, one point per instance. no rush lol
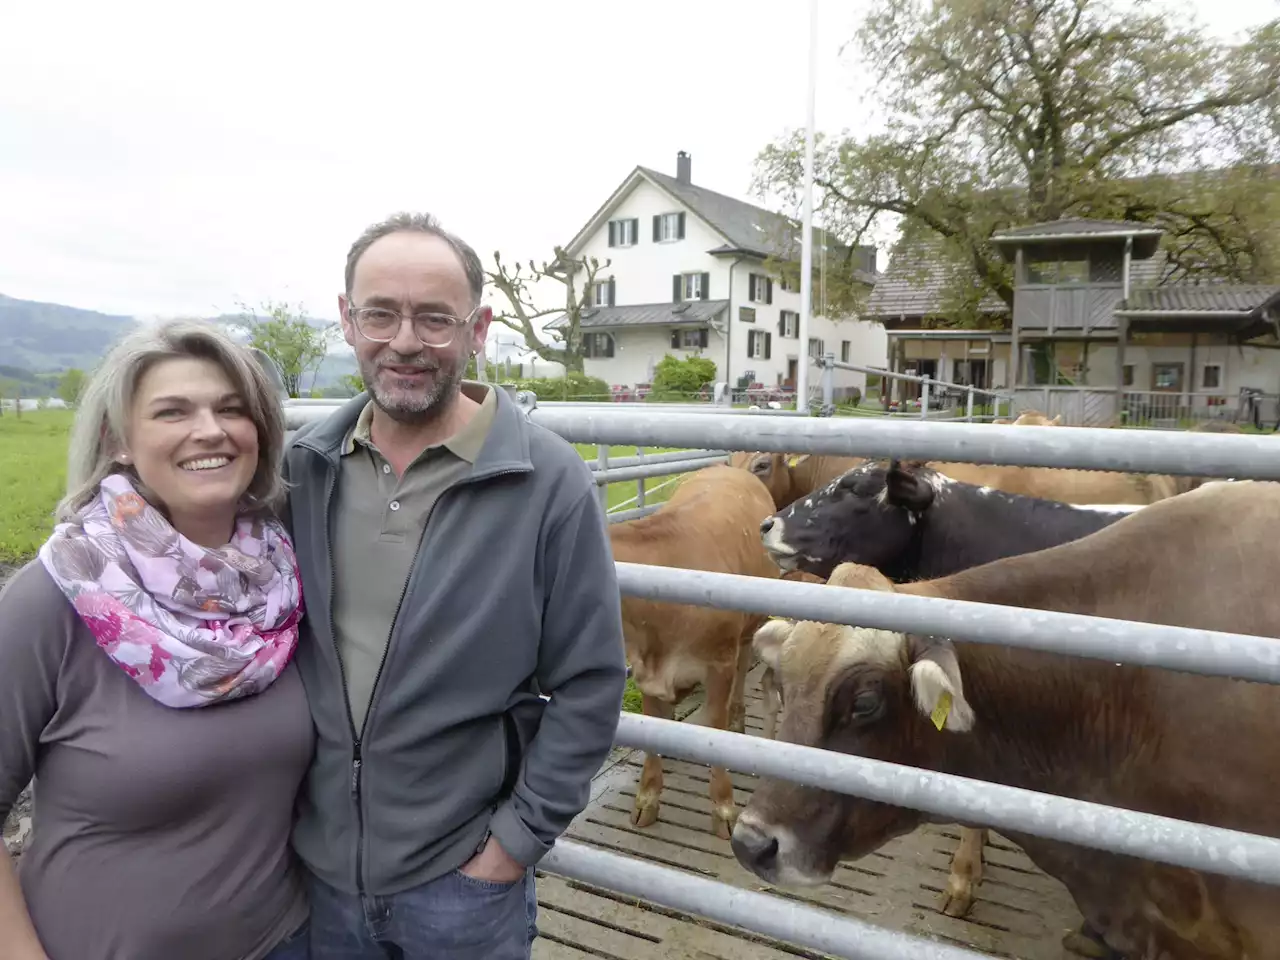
(936, 686)
(905, 488)
(768, 641)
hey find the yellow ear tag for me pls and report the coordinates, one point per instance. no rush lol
(940, 712)
(794, 460)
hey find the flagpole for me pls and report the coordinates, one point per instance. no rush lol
(806, 249)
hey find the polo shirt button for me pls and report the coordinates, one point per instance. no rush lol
(395, 504)
(386, 468)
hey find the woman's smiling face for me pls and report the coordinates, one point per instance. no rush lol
(193, 445)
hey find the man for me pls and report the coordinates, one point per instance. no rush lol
(455, 564)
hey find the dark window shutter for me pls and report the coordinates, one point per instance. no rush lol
(680, 226)
(782, 324)
(635, 229)
(657, 226)
(613, 233)
(768, 290)
(613, 292)
(677, 288)
(768, 345)
(675, 339)
(608, 344)
(706, 286)
(751, 286)
(705, 339)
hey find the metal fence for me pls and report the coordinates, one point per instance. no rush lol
(935, 395)
(1160, 839)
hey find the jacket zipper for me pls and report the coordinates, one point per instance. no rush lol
(342, 673)
(377, 677)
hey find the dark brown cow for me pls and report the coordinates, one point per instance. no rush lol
(1177, 744)
(709, 523)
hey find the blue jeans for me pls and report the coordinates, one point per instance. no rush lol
(454, 917)
(296, 946)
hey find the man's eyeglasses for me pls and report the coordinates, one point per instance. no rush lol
(381, 324)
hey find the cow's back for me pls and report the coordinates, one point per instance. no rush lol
(712, 523)
(1063, 485)
(1205, 560)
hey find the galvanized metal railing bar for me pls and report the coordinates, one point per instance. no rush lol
(1182, 843)
(1206, 652)
(641, 471)
(675, 456)
(635, 513)
(643, 409)
(1082, 448)
(912, 378)
(791, 922)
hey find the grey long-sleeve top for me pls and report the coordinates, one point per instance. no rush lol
(158, 833)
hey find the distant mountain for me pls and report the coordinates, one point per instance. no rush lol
(46, 337)
(38, 339)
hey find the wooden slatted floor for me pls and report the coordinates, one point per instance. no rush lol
(1020, 912)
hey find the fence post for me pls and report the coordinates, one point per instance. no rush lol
(828, 385)
(968, 405)
(640, 480)
(924, 397)
(602, 463)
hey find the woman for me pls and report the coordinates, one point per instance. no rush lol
(145, 674)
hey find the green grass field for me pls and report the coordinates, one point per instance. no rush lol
(33, 476)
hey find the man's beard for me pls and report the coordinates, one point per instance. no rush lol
(409, 405)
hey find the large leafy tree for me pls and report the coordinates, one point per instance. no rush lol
(1003, 112)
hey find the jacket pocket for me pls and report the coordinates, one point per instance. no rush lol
(521, 722)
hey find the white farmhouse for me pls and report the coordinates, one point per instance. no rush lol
(687, 274)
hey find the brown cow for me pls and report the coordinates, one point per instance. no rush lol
(1161, 741)
(709, 523)
(789, 476)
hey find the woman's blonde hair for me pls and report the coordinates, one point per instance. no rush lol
(103, 409)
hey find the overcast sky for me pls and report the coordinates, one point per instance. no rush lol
(161, 158)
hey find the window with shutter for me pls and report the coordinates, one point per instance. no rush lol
(613, 292)
(693, 286)
(675, 339)
(768, 290)
(704, 340)
(622, 233)
(668, 227)
(751, 286)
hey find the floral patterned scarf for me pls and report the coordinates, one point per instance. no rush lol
(193, 626)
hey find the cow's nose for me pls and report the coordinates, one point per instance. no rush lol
(766, 524)
(754, 847)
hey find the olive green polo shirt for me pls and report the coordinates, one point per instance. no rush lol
(378, 526)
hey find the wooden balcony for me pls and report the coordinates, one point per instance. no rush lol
(1076, 309)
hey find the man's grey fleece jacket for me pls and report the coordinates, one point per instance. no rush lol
(512, 593)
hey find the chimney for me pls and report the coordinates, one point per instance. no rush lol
(684, 168)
